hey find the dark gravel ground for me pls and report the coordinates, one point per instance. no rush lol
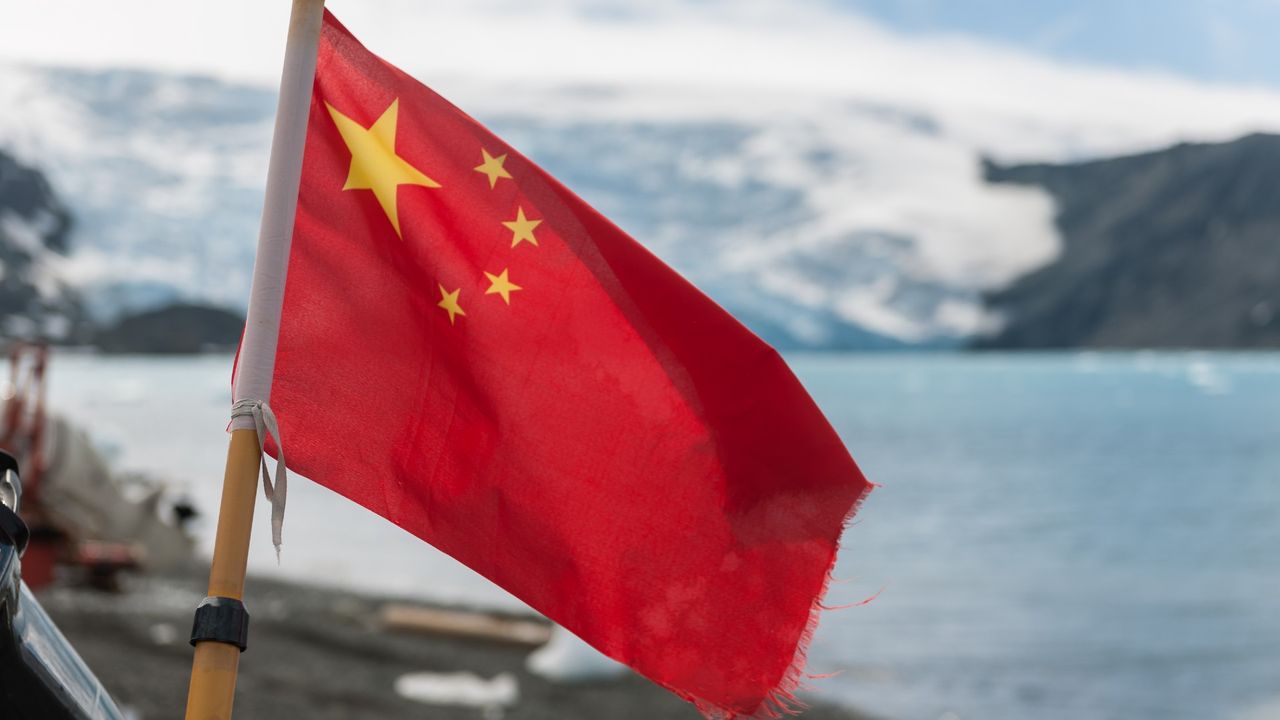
(320, 655)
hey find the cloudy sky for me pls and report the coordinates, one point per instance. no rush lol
(1205, 39)
(1200, 39)
(1121, 76)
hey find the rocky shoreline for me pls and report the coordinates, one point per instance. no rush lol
(323, 655)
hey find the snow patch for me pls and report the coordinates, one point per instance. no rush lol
(459, 689)
(567, 659)
(47, 268)
(1208, 378)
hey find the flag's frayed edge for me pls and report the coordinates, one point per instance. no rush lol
(782, 701)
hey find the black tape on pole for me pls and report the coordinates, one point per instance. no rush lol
(221, 619)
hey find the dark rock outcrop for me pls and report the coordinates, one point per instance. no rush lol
(1175, 248)
(173, 329)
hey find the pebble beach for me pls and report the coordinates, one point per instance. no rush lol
(327, 655)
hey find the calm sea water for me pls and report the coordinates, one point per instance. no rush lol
(1056, 536)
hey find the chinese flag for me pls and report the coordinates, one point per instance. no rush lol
(471, 351)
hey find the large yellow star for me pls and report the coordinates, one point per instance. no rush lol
(492, 167)
(374, 163)
(501, 285)
(449, 301)
(522, 228)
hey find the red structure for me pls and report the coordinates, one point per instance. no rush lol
(23, 434)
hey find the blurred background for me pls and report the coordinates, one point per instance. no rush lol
(1025, 256)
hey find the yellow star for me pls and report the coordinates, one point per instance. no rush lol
(492, 167)
(449, 301)
(501, 285)
(522, 228)
(374, 163)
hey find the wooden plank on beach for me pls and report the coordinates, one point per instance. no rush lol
(464, 624)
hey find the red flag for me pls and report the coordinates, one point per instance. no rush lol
(470, 350)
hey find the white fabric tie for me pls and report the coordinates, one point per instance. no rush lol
(264, 421)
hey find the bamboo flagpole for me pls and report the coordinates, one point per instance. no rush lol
(221, 624)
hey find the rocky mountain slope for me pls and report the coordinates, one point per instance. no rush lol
(34, 235)
(39, 302)
(1176, 248)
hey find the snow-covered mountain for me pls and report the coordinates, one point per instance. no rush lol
(162, 173)
(777, 219)
(844, 209)
(34, 227)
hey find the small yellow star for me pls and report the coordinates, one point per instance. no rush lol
(501, 285)
(449, 301)
(374, 163)
(492, 167)
(522, 228)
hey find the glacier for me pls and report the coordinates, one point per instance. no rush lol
(834, 226)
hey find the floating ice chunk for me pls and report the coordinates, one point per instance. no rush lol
(1208, 378)
(464, 688)
(568, 659)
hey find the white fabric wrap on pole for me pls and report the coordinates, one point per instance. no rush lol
(264, 422)
(252, 382)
